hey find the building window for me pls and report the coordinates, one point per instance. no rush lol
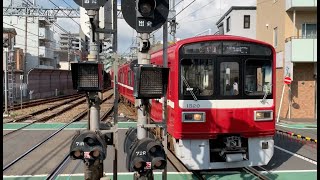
(309, 30)
(221, 32)
(228, 24)
(275, 37)
(246, 22)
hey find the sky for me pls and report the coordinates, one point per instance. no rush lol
(195, 16)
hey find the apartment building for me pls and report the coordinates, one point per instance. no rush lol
(239, 21)
(39, 40)
(13, 63)
(72, 41)
(291, 27)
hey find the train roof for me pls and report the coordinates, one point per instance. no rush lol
(178, 44)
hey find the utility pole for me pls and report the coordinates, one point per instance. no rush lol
(69, 47)
(145, 151)
(164, 104)
(6, 52)
(94, 170)
(172, 20)
(115, 86)
(143, 58)
(25, 46)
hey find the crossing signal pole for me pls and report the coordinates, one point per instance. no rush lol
(90, 145)
(144, 152)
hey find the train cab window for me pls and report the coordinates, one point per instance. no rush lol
(197, 77)
(229, 78)
(258, 77)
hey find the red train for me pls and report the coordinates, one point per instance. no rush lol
(221, 101)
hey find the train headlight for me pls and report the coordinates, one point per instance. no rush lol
(265, 115)
(193, 116)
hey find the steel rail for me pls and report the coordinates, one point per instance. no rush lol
(47, 117)
(61, 166)
(256, 173)
(41, 101)
(76, 118)
(180, 167)
(43, 110)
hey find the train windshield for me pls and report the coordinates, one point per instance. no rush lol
(225, 70)
(197, 77)
(258, 77)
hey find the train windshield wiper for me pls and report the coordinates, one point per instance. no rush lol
(266, 92)
(189, 88)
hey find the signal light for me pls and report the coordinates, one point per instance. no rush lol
(145, 16)
(77, 154)
(156, 151)
(158, 163)
(150, 81)
(88, 146)
(96, 153)
(145, 154)
(87, 76)
(91, 4)
(146, 8)
(138, 163)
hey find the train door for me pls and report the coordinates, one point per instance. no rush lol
(229, 84)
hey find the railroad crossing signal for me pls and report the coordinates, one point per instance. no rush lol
(145, 16)
(287, 80)
(91, 4)
(89, 146)
(143, 155)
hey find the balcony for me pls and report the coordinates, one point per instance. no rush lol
(45, 34)
(299, 49)
(45, 52)
(301, 5)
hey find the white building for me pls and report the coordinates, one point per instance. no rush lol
(72, 41)
(40, 41)
(239, 21)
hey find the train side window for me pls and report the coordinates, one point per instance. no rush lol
(129, 78)
(229, 78)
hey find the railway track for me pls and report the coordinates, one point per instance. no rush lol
(50, 108)
(62, 165)
(52, 114)
(41, 101)
(75, 119)
(257, 173)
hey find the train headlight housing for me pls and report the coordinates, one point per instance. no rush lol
(193, 116)
(265, 115)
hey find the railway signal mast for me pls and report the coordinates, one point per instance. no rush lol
(90, 145)
(144, 152)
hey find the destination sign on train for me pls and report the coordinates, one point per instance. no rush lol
(226, 48)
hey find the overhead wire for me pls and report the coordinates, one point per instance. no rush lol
(176, 14)
(70, 6)
(65, 13)
(25, 31)
(197, 10)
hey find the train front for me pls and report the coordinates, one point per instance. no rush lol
(226, 113)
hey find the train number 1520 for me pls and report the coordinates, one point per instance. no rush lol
(193, 105)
